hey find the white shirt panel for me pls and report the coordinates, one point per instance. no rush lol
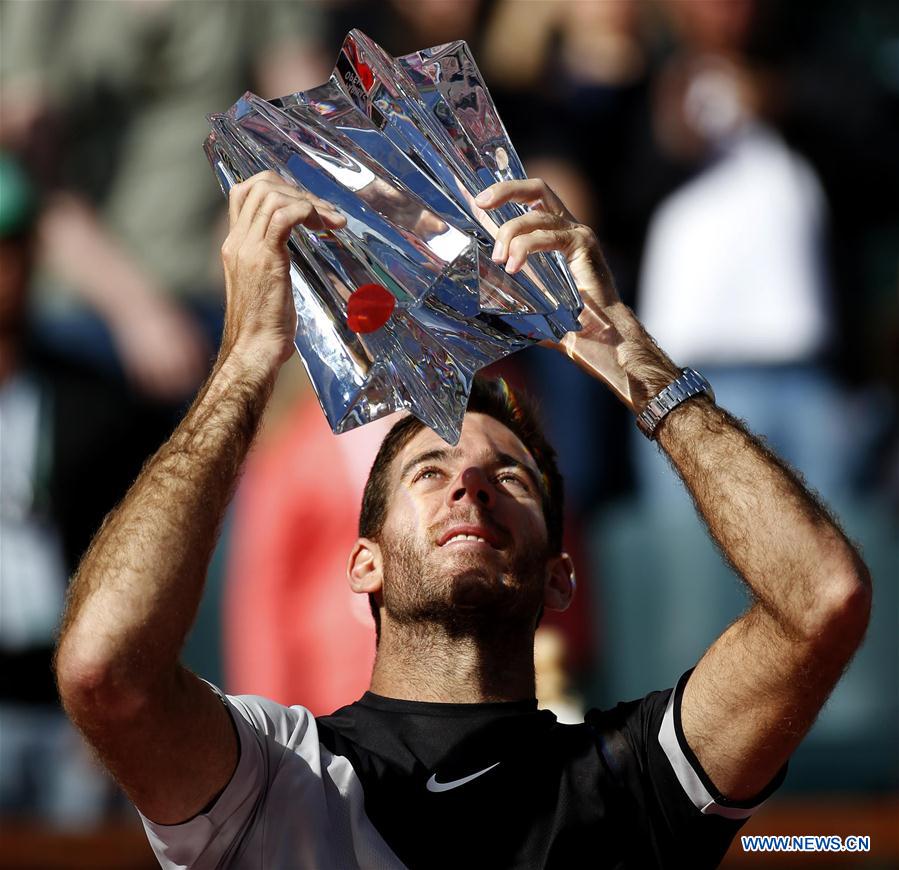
(290, 804)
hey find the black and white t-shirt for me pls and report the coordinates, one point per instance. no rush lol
(384, 783)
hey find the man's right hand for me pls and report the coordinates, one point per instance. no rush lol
(260, 319)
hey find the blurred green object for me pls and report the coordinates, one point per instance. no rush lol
(18, 199)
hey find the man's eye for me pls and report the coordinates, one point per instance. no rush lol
(514, 479)
(427, 474)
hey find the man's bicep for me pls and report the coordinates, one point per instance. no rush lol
(750, 700)
(175, 755)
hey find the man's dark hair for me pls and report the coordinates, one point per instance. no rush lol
(516, 411)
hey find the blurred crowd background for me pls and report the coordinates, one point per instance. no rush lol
(739, 160)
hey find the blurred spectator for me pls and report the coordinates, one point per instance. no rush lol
(734, 283)
(294, 630)
(403, 26)
(586, 108)
(830, 85)
(70, 446)
(735, 276)
(108, 102)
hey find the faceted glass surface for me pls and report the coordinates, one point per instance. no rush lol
(400, 146)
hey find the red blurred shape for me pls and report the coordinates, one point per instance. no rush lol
(369, 308)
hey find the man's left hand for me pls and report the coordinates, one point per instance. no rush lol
(611, 344)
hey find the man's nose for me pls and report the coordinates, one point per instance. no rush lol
(473, 483)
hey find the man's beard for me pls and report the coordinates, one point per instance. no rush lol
(463, 593)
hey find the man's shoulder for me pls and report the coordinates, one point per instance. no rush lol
(634, 715)
(287, 725)
(627, 735)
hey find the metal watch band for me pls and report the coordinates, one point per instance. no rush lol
(689, 384)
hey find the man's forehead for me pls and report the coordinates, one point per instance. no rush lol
(480, 433)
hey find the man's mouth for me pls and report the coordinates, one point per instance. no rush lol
(469, 535)
(457, 538)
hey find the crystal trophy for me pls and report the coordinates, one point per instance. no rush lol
(401, 307)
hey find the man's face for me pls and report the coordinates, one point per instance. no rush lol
(465, 541)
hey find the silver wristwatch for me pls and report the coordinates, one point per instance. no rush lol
(689, 384)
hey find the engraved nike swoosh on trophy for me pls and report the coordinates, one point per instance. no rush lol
(435, 786)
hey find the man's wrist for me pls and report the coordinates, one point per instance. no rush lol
(688, 386)
(248, 364)
(614, 347)
(258, 357)
(647, 367)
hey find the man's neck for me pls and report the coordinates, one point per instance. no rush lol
(427, 663)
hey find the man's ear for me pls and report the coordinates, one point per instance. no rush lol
(363, 569)
(560, 583)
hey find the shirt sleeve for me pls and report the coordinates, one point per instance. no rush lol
(693, 780)
(684, 817)
(265, 731)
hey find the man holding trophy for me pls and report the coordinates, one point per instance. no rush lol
(446, 759)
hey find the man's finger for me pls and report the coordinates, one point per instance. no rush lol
(319, 203)
(236, 197)
(527, 223)
(292, 213)
(239, 192)
(255, 191)
(245, 198)
(531, 243)
(531, 191)
(264, 199)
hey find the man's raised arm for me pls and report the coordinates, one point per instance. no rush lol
(159, 729)
(758, 688)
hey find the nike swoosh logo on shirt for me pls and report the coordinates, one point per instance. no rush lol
(435, 786)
